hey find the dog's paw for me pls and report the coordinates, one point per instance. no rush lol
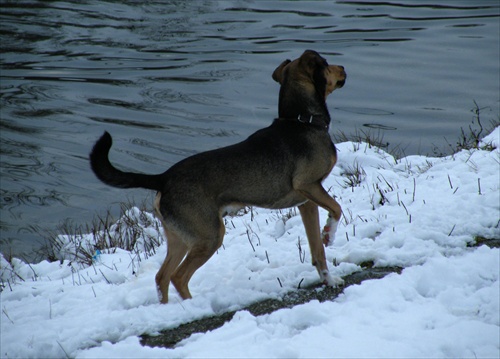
(330, 280)
(329, 230)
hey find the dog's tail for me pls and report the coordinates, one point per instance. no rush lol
(107, 173)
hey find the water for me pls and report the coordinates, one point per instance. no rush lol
(171, 78)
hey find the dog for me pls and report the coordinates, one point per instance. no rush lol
(280, 166)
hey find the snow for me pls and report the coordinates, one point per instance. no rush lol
(417, 212)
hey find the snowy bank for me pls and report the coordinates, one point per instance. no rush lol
(417, 212)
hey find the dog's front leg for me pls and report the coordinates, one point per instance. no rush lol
(329, 230)
(310, 217)
(316, 193)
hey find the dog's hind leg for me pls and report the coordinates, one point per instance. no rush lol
(310, 217)
(176, 250)
(198, 254)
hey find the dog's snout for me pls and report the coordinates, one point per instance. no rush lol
(342, 71)
(338, 71)
(341, 77)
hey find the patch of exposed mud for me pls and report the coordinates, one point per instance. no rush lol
(170, 337)
(490, 242)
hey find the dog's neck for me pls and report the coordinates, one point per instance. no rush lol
(314, 120)
(297, 106)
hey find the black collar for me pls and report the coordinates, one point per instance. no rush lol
(320, 121)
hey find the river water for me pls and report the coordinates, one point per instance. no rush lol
(172, 78)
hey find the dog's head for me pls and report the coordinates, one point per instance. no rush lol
(311, 72)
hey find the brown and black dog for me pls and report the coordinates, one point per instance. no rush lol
(280, 166)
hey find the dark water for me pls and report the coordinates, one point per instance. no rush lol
(171, 78)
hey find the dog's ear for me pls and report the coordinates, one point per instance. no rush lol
(278, 73)
(310, 61)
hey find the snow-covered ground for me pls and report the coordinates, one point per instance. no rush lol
(417, 212)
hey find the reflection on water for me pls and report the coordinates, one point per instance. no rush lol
(171, 78)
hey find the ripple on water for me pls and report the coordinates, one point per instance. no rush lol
(124, 122)
(159, 96)
(365, 111)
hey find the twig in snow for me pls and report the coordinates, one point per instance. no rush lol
(180, 302)
(5, 312)
(302, 254)
(104, 276)
(449, 234)
(405, 208)
(65, 352)
(387, 183)
(414, 188)
(279, 282)
(249, 240)
(298, 287)
(36, 275)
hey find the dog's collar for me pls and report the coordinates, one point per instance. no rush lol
(314, 120)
